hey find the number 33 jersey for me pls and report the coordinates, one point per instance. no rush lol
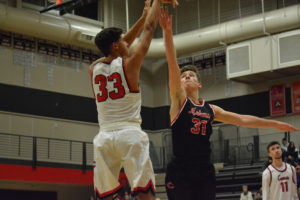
(191, 130)
(118, 106)
(279, 183)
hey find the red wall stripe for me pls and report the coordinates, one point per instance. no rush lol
(45, 174)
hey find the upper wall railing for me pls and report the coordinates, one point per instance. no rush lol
(49, 150)
(230, 151)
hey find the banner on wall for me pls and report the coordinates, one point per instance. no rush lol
(24, 43)
(277, 101)
(296, 97)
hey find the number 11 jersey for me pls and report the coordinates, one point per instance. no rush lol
(118, 106)
(279, 183)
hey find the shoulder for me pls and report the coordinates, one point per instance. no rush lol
(91, 67)
(267, 172)
(291, 166)
(212, 107)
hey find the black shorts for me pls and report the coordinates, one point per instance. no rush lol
(193, 182)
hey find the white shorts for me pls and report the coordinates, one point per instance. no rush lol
(128, 148)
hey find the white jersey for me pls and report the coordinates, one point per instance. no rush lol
(279, 183)
(117, 105)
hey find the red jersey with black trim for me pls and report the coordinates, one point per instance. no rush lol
(191, 130)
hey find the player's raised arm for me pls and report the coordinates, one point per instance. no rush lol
(134, 31)
(175, 86)
(250, 121)
(136, 55)
(173, 2)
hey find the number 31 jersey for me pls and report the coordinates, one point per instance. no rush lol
(117, 105)
(191, 130)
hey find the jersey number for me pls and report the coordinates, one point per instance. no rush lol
(199, 124)
(284, 186)
(102, 80)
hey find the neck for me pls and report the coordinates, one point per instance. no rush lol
(110, 57)
(194, 96)
(277, 162)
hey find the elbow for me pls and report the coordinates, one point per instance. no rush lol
(150, 27)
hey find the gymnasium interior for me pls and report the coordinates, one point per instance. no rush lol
(247, 51)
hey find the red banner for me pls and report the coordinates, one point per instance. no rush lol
(296, 97)
(277, 101)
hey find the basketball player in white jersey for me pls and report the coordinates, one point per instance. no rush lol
(121, 142)
(279, 179)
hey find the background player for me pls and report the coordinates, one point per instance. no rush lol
(121, 142)
(190, 175)
(279, 180)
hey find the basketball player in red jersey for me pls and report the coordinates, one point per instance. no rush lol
(190, 175)
(120, 141)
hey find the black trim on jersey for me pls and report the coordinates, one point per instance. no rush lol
(129, 86)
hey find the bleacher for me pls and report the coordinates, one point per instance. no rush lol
(229, 181)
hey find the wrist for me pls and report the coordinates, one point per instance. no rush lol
(168, 31)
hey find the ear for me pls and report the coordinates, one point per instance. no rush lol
(200, 85)
(115, 46)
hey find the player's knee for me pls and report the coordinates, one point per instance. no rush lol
(145, 196)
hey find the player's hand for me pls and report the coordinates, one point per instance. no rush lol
(286, 127)
(173, 2)
(165, 21)
(146, 8)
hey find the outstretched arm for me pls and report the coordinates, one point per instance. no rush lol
(250, 121)
(136, 55)
(177, 92)
(134, 31)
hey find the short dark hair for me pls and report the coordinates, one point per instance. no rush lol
(191, 68)
(106, 37)
(283, 139)
(271, 144)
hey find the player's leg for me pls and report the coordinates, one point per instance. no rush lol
(137, 163)
(205, 186)
(107, 167)
(170, 182)
(182, 189)
(145, 196)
